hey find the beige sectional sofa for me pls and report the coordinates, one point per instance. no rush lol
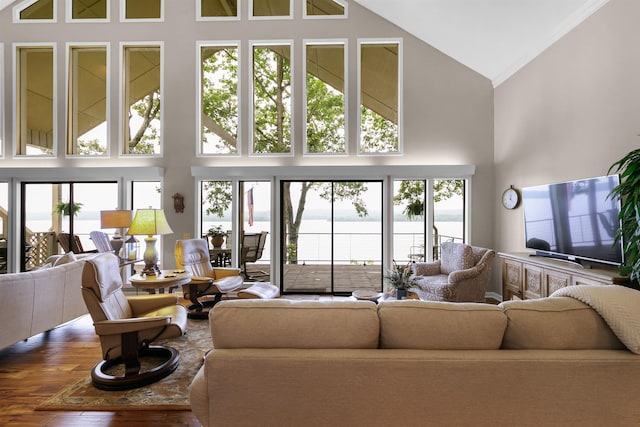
(39, 300)
(416, 363)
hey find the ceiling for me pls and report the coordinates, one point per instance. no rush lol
(492, 37)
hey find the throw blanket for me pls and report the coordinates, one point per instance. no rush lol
(618, 306)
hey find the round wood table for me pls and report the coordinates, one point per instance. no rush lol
(166, 279)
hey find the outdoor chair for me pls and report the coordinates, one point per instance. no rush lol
(101, 241)
(69, 245)
(127, 326)
(251, 251)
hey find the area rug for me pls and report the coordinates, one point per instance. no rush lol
(170, 393)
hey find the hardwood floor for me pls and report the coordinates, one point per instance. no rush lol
(33, 370)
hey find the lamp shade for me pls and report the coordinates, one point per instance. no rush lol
(115, 219)
(149, 222)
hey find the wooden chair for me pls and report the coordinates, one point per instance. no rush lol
(69, 245)
(101, 241)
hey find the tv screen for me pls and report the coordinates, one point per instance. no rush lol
(574, 220)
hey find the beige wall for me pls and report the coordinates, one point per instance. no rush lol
(570, 113)
(448, 109)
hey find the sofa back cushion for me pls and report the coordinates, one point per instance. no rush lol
(433, 325)
(294, 324)
(560, 323)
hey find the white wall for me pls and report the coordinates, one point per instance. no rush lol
(448, 109)
(570, 113)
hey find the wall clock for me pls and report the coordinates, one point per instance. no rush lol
(510, 198)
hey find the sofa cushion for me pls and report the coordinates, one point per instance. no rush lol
(65, 259)
(455, 256)
(560, 323)
(440, 325)
(294, 324)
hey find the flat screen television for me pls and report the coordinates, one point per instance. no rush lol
(574, 220)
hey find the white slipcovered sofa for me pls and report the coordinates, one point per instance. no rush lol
(553, 361)
(39, 300)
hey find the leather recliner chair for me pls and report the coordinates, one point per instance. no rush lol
(127, 326)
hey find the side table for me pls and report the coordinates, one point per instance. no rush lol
(166, 279)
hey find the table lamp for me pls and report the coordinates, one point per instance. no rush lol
(149, 222)
(118, 219)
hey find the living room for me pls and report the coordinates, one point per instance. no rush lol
(569, 113)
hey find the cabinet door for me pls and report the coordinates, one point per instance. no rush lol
(578, 280)
(532, 281)
(555, 280)
(511, 280)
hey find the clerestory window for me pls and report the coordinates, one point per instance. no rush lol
(87, 10)
(272, 95)
(325, 9)
(87, 98)
(142, 105)
(379, 90)
(217, 9)
(35, 11)
(268, 9)
(218, 99)
(136, 10)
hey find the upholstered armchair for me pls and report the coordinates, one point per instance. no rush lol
(461, 274)
(193, 256)
(127, 326)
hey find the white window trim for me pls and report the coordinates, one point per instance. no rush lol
(16, 129)
(325, 42)
(252, 45)
(221, 43)
(400, 94)
(69, 18)
(122, 110)
(389, 173)
(199, 16)
(25, 4)
(342, 3)
(269, 18)
(123, 11)
(70, 46)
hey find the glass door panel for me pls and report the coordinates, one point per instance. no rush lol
(4, 227)
(332, 240)
(409, 221)
(255, 206)
(448, 212)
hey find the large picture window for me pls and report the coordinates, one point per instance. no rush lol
(35, 100)
(379, 96)
(219, 116)
(324, 95)
(87, 101)
(142, 108)
(272, 98)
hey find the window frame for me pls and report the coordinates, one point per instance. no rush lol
(342, 3)
(68, 113)
(199, 16)
(25, 4)
(70, 19)
(325, 42)
(123, 14)
(122, 113)
(250, 115)
(222, 43)
(374, 41)
(251, 17)
(16, 111)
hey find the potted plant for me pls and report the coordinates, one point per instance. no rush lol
(400, 279)
(628, 192)
(217, 235)
(65, 208)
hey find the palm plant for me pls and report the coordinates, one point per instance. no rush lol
(628, 192)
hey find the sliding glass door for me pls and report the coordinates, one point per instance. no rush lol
(332, 236)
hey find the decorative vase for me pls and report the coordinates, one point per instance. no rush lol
(217, 241)
(401, 293)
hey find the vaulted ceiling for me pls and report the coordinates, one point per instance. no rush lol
(492, 37)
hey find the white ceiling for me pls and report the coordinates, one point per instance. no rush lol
(493, 37)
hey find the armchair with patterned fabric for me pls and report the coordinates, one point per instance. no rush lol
(460, 275)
